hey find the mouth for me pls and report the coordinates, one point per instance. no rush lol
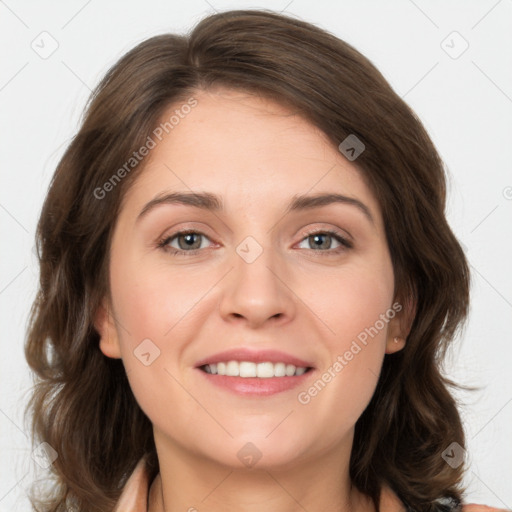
(252, 373)
(249, 379)
(249, 369)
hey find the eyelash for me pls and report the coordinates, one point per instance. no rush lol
(163, 243)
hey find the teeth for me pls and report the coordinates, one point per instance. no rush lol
(248, 369)
(232, 369)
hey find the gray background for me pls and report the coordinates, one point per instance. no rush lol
(463, 96)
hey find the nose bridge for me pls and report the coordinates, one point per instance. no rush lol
(254, 288)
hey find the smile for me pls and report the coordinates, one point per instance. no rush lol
(248, 369)
(249, 379)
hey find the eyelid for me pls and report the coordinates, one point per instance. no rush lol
(192, 227)
(163, 241)
(330, 230)
(346, 242)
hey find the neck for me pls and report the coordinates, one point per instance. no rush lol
(188, 482)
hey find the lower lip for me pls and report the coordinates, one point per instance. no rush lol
(256, 386)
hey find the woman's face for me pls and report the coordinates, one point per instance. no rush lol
(253, 277)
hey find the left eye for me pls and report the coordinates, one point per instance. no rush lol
(318, 238)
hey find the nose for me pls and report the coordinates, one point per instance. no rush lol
(257, 292)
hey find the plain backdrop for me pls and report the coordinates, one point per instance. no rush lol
(451, 61)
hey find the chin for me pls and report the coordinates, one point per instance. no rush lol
(258, 452)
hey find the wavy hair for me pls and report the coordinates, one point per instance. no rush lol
(82, 404)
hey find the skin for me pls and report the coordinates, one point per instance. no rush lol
(294, 297)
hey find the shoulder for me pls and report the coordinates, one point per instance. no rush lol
(134, 497)
(473, 507)
(390, 502)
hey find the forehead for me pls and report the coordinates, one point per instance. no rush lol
(247, 149)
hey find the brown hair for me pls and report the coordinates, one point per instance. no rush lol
(82, 404)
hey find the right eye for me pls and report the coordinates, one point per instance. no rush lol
(190, 241)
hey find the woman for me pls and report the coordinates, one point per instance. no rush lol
(247, 285)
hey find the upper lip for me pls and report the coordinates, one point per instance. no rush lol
(255, 356)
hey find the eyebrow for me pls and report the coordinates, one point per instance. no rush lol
(211, 202)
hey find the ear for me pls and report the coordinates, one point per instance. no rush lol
(400, 325)
(105, 325)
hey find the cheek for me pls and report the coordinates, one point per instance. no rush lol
(149, 307)
(353, 298)
(158, 314)
(151, 301)
(356, 304)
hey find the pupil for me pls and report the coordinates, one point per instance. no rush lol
(189, 239)
(318, 237)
